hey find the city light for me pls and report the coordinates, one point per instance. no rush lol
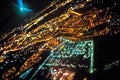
(68, 38)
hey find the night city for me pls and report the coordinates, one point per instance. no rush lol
(60, 40)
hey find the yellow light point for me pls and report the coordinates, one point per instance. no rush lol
(5, 51)
(33, 38)
(45, 15)
(76, 13)
(80, 34)
(91, 23)
(82, 5)
(85, 78)
(36, 30)
(94, 16)
(36, 21)
(71, 30)
(68, 1)
(88, 0)
(1, 60)
(62, 47)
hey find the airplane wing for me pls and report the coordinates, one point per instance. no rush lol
(20, 3)
(21, 6)
(26, 9)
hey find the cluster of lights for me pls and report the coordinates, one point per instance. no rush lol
(30, 40)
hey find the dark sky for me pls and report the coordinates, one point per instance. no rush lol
(10, 16)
